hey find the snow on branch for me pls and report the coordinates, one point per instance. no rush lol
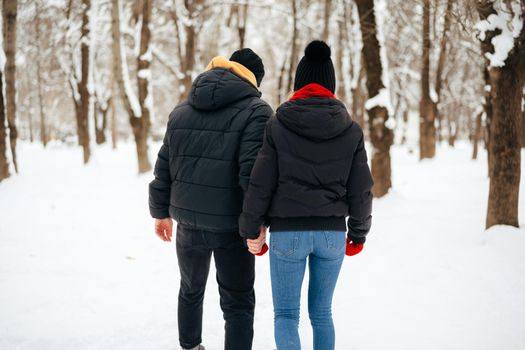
(382, 99)
(133, 100)
(509, 22)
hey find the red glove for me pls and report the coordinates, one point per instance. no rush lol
(263, 251)
(353, 248)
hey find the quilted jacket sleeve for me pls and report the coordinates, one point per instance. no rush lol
(159, 188)
(251, 142)
(263, 182)
(359, 195)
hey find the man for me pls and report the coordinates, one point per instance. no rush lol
(201, 174)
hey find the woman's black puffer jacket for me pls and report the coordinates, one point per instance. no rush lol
(310, 173)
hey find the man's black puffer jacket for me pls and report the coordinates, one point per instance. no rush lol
(209, 149)
(311, 173)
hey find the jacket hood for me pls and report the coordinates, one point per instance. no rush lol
(317, 118)
(219, 87)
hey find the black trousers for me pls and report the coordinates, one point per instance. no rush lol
(235, 276)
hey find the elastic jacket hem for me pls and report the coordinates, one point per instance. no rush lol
(311, 223)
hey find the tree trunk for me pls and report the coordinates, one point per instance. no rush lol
(280, 82)
(137, 108)
(427, 107)
(241, 11)
(452, 132)
(40, 84)
(188, 60)
(31, 127)
(341, 86)
(326, 19)
(293, 52)
(487, 107)
(506, 91)
(101, 125)
(141, 126)
(114, 134)
(476, 136)
(4, 164)
(441, 63)
(9, 16)
(84, 100)
(405, 127)
(505, 146)
(381, 136)
(359, 96)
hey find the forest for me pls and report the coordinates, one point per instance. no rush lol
(91, 72)
(438, 87)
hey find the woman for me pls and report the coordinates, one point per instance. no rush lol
(310, 174)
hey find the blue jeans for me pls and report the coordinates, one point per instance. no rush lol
(288, 254)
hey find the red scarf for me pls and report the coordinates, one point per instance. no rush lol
(312, 90)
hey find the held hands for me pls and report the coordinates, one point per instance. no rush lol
(164, 228)
(353, 248)
(258, 246)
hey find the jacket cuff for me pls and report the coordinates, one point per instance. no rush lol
(249, 236)
(356, 240)
(157, 213)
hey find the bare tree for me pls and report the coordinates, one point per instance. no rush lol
(141, 125)
(381, 136)
(280, 83)
(476, 135)
(191, 26)
(293, 47)
(441, 60)
(9, 12)
(83, 103)
(39, 77)
(79, 85)
(239, 12)
(326, 19)
(506, 76)
(341, 42)
(138, 108)
(427, 106)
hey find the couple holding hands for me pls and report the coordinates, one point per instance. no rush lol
(229, 168)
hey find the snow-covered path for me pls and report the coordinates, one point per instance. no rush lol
(80, 266)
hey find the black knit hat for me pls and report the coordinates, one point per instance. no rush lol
(315, 67)
(250, 60)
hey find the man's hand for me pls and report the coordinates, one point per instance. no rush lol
(255, 245)
(163, 229)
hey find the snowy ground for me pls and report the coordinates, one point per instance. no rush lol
(80, 266)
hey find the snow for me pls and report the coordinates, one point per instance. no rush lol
(148, 103)
(382, 99)
(80, 266)
(434, 96)
(356, 37)
(144, 74)
(381, 13)
(148, 55)
(133, 100)
(510, 22)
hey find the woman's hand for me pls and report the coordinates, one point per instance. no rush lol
(256, 245)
